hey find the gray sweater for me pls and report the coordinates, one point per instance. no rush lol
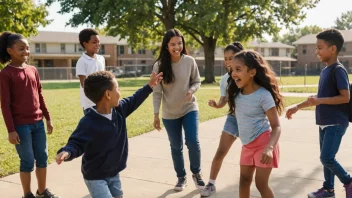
(172, 95)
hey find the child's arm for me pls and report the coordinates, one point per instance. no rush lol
(128, 105)
(221, 103)
(5, 97)
(195, 78)
(342, 84)
(294, 109)
(76, 144)
(273, 118)
(81, 71)
(43, 105)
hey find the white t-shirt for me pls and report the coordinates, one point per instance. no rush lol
(223, 84)
(87, 65)
(108, 116)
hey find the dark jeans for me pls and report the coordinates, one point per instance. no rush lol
(330, 140)
(32, 147)
(190, 123)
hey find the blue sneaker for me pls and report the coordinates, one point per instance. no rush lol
(322, 193)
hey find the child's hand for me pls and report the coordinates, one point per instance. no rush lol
(155, 79)
(291, 111)
(14, 138)
(62, 157)
(188, 96)
(49, 126)
(313, 100)
(157, 123)
(212, 103)
(267, 156)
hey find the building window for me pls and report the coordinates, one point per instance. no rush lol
(37, 48)
(73, 63)
(141, 51)
(288, 52)
(262, 51)
(121, 49)
(78, 48)
(132, 51)
(102, 49)
(304, 51)
(63, 48)
(143, 62)
(274, 52)
(120, 63)
(48, 63)
(43, 47)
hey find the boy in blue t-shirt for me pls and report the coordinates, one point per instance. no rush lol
(331, 111)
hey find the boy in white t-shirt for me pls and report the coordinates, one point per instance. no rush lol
(89, 62)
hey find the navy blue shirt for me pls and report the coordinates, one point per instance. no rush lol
(104, 142)
(332, 114)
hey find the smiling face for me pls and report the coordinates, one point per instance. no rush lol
(228, 55)
(175, 47)
(19, 51)
(324, 50)
(93, 45)
(241, 74)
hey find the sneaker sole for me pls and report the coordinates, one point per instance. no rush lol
(324, 197)
(206, 195)
(179, 189)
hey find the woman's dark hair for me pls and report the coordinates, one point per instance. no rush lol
(7, 40)
(164, 59)
(264, 77)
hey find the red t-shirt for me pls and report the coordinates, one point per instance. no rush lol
(22, 101)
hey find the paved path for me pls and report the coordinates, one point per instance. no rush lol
(150, 172)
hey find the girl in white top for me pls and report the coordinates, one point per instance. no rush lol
(230, 131)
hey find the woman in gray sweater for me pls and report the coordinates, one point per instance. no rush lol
(180, 109)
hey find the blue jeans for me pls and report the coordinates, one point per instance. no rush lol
(110, 187)
(330, 140)
(190, 123)
(32, 146)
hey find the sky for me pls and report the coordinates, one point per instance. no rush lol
(323, 15)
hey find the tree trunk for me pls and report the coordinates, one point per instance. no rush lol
(209, 53)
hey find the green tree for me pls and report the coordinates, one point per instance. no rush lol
(344, 22)
(208, 22)
(295, 33)
(22, 16)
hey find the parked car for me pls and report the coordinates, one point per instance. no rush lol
(118, 72)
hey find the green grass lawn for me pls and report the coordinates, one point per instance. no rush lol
(299, 80)
(300, 89)
(63, 103)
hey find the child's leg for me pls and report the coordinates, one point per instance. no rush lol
(330, 140)
(226, 141)
(174, 131)
(190, 124)
(40, 154)
(262, 182)
(26, 155)
(115, 186)
(246, 176)
(98, 188)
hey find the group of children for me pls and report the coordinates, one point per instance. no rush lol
(249, 88)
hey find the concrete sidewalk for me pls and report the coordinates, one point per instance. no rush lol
(150, 171)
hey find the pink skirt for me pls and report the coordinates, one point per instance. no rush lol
(251, 153)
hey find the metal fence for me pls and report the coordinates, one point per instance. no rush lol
(133, 71)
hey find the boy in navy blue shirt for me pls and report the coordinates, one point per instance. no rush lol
(101, 134)
(331, 111)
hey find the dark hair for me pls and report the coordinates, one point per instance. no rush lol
(332, 37)
(84, 35)
(235, 47)
(164, 59)
(7, 40)
(96, 84)
(264, 77)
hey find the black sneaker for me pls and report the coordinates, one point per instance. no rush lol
(181, 184)
(46, 194)
(198, 181)
(29, 195)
